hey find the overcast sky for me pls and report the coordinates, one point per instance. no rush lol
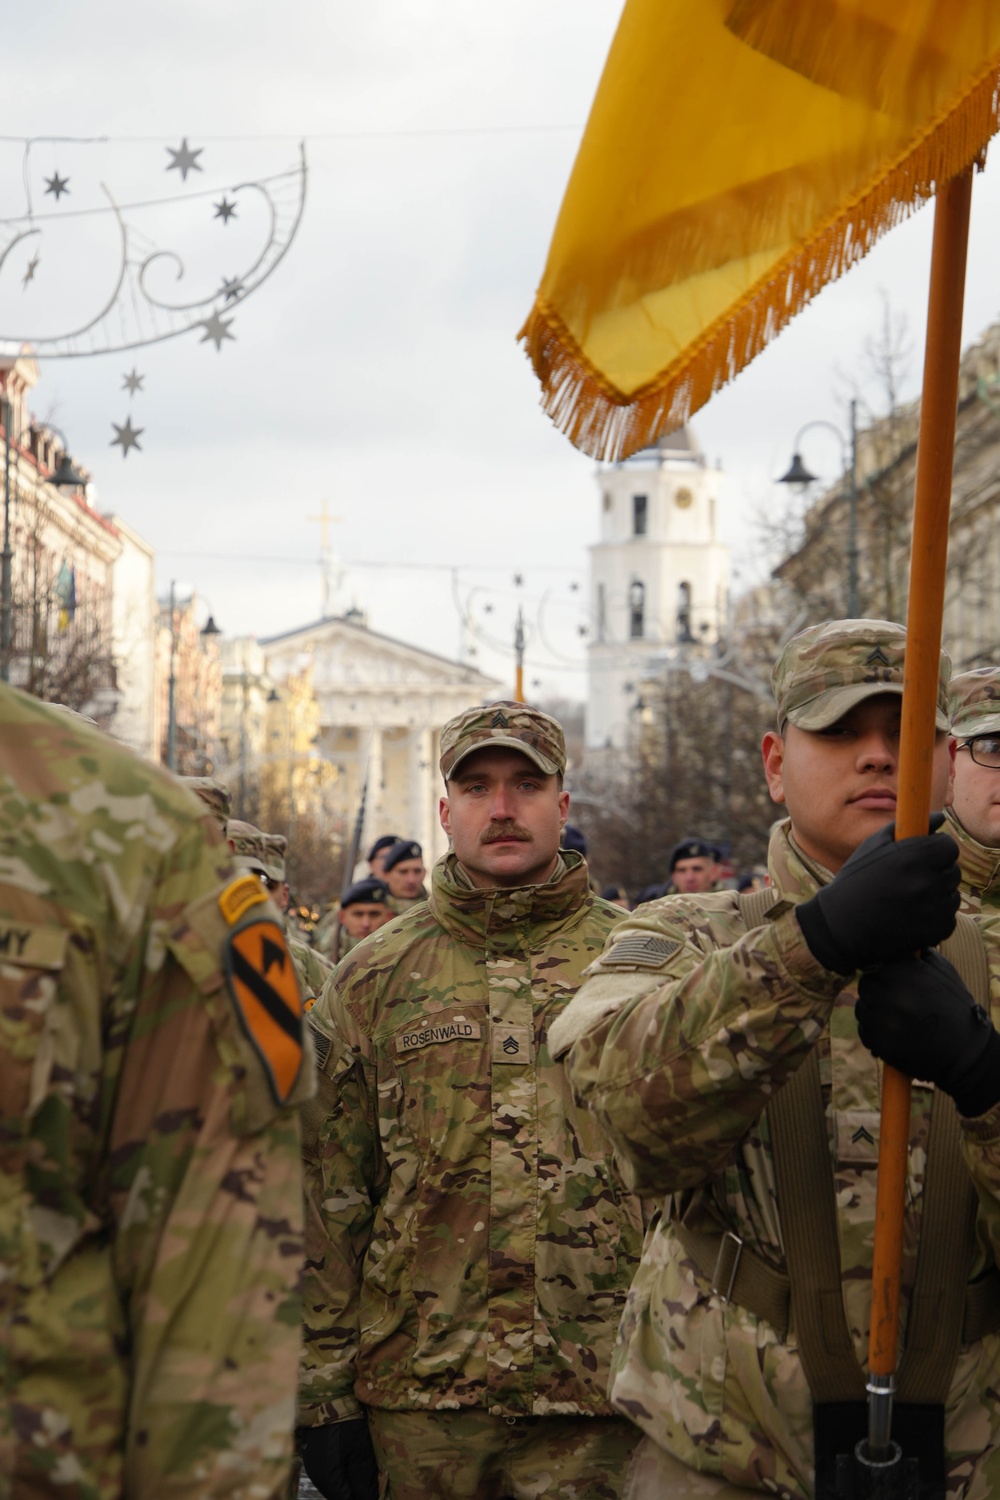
(376, 369)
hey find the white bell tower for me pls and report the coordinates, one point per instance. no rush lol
(659, 579)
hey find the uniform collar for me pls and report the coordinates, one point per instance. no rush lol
(795, 876)
(479, 915)
(979, 864)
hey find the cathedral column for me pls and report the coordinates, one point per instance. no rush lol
(423, 803)
(374, 815)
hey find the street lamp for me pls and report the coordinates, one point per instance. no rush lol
(799, 477)
(64, 474)
(208, 631)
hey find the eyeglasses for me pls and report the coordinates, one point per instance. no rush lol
(984, 749)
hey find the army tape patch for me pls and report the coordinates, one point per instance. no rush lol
(637, 951)
(265, 991)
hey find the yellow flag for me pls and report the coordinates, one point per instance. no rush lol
(739, 155)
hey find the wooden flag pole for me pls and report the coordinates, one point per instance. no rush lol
(928, 562)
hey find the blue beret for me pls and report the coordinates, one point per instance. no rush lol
(385, 842)
(404, 849)
(692, 849)
(369, 892)
(574, 838)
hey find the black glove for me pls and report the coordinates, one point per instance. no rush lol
(917, 1015)
(340, 1460)
(888, 901)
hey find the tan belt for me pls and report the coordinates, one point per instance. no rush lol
(739, 1275)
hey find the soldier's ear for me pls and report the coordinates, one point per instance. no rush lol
(773, 750)
(444, 813)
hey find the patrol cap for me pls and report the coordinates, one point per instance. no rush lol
(512, 725)
(385, 842)
(826, 669)
(370, 892)
(402, 849)
(692, 849)
(275, 849)
(247, 844)
(975, 702)
(216, 797)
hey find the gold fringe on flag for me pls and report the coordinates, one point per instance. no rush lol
(687, 242)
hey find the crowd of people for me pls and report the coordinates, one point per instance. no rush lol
(500, 1186)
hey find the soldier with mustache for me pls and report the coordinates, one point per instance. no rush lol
(470, 1239)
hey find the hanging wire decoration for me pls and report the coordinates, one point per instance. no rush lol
(133, 315)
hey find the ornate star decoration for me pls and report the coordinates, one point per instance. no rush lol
(184, 159)
(57, 185)
(574, 586)
(487, 609)
(32, 267)
(518, 580)
(232, 287)
(581, 630)
(133, 382)
(225, 210)
(216, 329)
(126, 437)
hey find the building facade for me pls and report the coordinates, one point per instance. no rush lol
(58, 636)
(815, 570)
(659, 577)
(380, 707)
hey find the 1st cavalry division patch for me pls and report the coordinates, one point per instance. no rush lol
(265, 991)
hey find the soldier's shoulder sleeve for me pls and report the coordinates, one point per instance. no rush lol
(232, 944)
(641, 953)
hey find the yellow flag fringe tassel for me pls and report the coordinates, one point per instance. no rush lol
(608, 425)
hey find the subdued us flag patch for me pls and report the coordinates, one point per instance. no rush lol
(265, 991)
(638, 951)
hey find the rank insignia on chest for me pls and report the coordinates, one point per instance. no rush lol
(637, 951)
(511, 1044)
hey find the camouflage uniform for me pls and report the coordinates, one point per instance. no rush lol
(681, 1034)
(980, 866)
(324, 938)
(469, 1240)
(677, 1062)
(975, 709)
(403, 849)
(259, 853)
(150, 1197)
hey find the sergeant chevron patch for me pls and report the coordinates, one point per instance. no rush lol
(637, 951)
(265, 991)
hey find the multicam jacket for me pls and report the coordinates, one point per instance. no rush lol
(469, 1239)
(980, 866)
(687, 1025)
(150, 1186)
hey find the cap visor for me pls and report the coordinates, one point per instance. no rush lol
(508, 742)
(826, 708)
(984, 724)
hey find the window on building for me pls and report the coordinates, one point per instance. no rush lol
(636, 610)
(684, 612)
(640, 515)
(601, 612)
